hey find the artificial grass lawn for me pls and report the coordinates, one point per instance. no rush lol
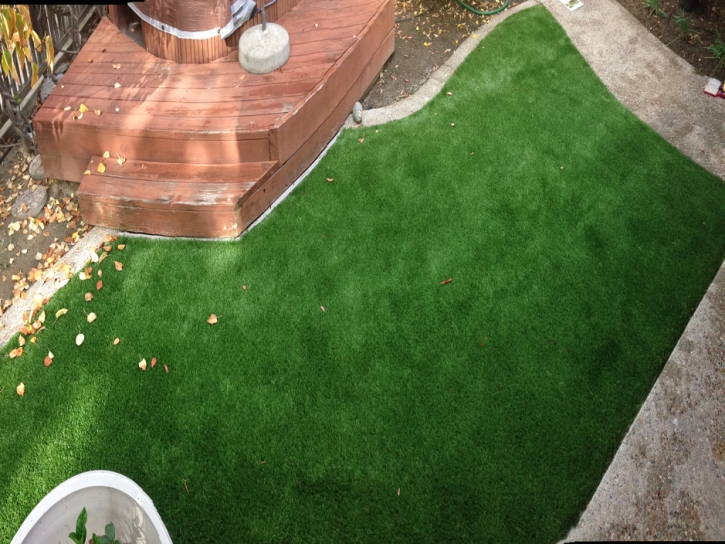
(493, 403)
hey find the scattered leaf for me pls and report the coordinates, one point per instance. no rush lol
(48, 361)
(34, 339)
(20, 389)
(166, 368)
(94, 256)
(83, 108)
(101, 168)
(67, 108)
(91, 317)
(449, 280)
(117, 84)
(142, 364)
(212, 319)
(361, 140)
(77, 115)
(17, 352)
(121, 247)
(99, 286)
(153, 362)
(100, 273)
(116, 66)
(121, 159)
(97, 112)
(86, 172)
(244, 287)
(88, 297)
(41, 317)
(330, 180)
(21, 340)
(322, 308)
(90, 61)
(449, 93)
(119, 266)
(61, 312)
(107, 248)
(106, 155)
(79, 339)
(453, 124)
(116, 341)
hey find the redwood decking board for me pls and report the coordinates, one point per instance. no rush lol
(198, 126)
(253, 204)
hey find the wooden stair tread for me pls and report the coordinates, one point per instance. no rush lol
(172, 186)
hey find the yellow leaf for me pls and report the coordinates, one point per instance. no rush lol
(116, 341)
(83, 108)
(61, 312)
(86, 172)
(91, 317)
(20, 389)
(21, 341)
(41, 318)
(120, 247)
(101, 168)
(106, 154)
(212, 319)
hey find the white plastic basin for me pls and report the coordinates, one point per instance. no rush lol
(108, 498)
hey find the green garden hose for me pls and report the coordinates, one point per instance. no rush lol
(492, 12)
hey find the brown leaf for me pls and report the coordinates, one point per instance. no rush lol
(449, 280)
(90, 61)
(107, 248)
(116, 341)
(166, 368)
(88, 297)
(17, 352)
(20, 389)
(212, 319)
(153, 362)
(121, 247)
(97, 112)
(119, 266)
(47, 361)
(99, 285)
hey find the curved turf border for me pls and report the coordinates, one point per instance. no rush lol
(493, 403)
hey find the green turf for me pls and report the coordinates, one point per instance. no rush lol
(493, 403)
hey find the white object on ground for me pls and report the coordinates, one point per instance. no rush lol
(108, 497)
(262, 51)
(572, 4)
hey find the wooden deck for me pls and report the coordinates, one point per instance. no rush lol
(208, 147)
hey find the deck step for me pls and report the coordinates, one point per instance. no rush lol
(171, 199)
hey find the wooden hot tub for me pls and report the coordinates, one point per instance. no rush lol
(200, 31)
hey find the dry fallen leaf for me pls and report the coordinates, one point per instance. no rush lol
(212, 319)
(101, 168)
(106, 154)
(120, 247)
(322, 308)
(94, 256)
(21, 341)
(100, 273)
(17, 352)
(79, 339)
(99, 285)
(361, 140)
(116, 66)
(119, 266)
(83, 108)
(20, 389)
(67, 108)
(244, 287)
(91, 317)
(107, 248)
(166, 368)
(97, 112)
(41, 317)
(77, 115)
(153, 362)
(86, 172)
(88, 297)
(449, 280)
(142, 364)
(330, 180)
(48, 361)
(90, 61)
(61, 312)
(116, 341)
(117, 84)
(120, 160)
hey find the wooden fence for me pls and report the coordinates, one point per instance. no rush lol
(60, 22)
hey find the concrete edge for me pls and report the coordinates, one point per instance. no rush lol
(437, 80)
